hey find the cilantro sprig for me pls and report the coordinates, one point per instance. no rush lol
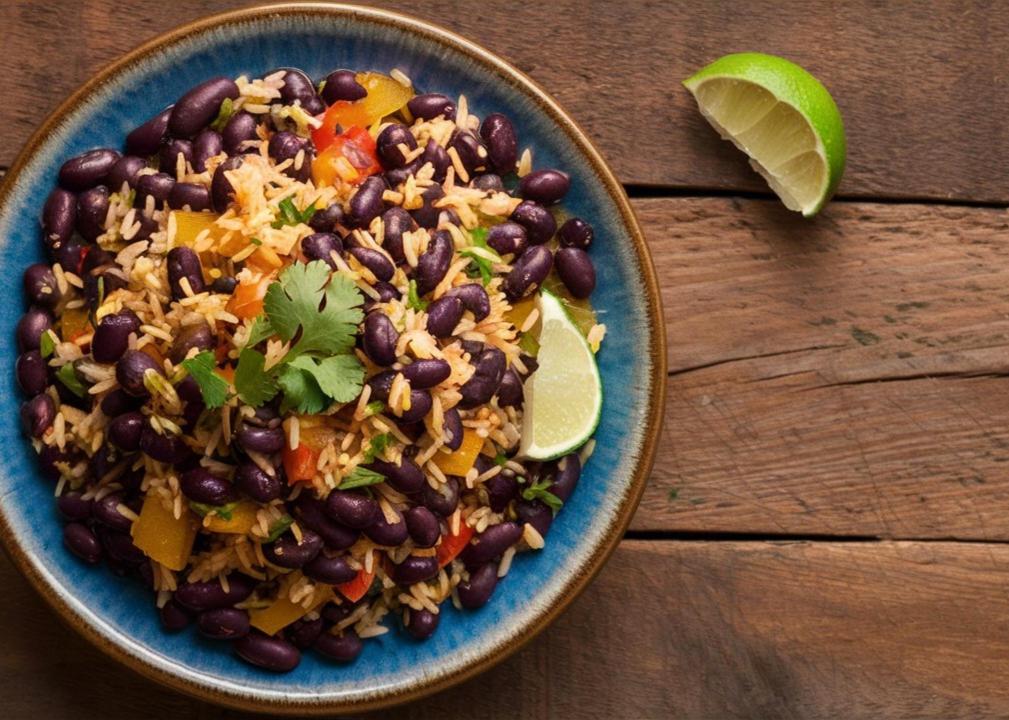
(482, 257)
(541, 491)
(279, 528)
(213, 387)
(413, 299)
(377, 446)
(223, 115)
(360, 477)
(291, 215)
(68, 377)
(222, 511)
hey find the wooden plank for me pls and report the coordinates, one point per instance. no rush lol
(842, 376)
(670, 629)
(915, 84)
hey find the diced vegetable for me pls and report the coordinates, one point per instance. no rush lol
(460, 461)
(385, 96)
(283, 612)
(358, 587)
(299, 464)
(247, 300)
(74, 323)
(350, 157)
(163, 537)
(188, 225)
(243, 518)
(452, 545)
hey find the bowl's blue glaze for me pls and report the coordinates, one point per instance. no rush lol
(118, 613)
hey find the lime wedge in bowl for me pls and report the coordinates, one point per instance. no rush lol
(564, 397)
(782, 118)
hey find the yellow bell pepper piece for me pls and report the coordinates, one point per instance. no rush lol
(460, 461)
(190, 224)
(74, 323)
(161, 536)
(385, 95)
(243, 518)
(283, 612)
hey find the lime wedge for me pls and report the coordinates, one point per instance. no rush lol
(564, 397)
(782, 117)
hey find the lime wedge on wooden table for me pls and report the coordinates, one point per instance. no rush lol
(564, 397)
(782, 117)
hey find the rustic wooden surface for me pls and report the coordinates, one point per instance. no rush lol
(824, 531)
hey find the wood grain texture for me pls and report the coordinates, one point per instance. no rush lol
(670, 629)
(840, 376)
(916, 88)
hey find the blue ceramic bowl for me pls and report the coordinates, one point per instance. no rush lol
(117, 614)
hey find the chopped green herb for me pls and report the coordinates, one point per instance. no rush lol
(256, 241)
(413, 298)
(222, 511)
(254, 386)
(377, 446)
(374, 408)
(71, 382)
(213, 387)
(279, 528)
(223, 115)
(482, 257)
(541, 491)
(500, 459)
(291, 215)
(47, 346)
(361, 477)
(261, 329)
(529, 345)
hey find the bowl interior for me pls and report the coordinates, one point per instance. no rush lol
(119, 610)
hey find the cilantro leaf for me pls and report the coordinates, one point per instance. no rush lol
(223, 115)
(301, 391)
(261, 330)
(279, 528)
(213, 387)
(500, 459)
(222, 511)
(339, 376)
(254, 386)
(47, 346)
(377, 446)
(541, 491)
(71, 382)
(483, 259)
(374, 408)
(360, 477)
(290, 215)
(413, 298)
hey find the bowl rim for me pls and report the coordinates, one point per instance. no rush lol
(656, 350)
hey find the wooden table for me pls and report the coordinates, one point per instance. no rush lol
(824, 534)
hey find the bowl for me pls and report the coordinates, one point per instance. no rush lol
(117, 614)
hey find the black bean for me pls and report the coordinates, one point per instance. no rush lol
(321, 246)
(269, 653)
(342, 85)
(112, 336)
(198, 107)
(163, 448)
(386, 293)
(343, 648)
(59, 217)
(434, 262)
(381, 384)
(147, 138)
(476, 591)
(329, 569)
(565, 480)
(125, 172)
(535, 513)
(311, 512)
(101, 282)
(406, 477)
(528, 272)
(70, 254)
(303, 633)
(79, 540)
(198, 336)
(159, 186)
(31, 372)
(106, 511)
(442, 501)
(184, 263)
(366, 204)
(488, 182)
(575, 232)
(37, 415)
(284, 146)
(207, 144)
(147, 227)
(224, 285)
(426, 373)
(351, 509)
(380, 338)
(396, 221)
(439, 159)
(92, 207)
(298, 87)
(421, 624)
(193, 195)
(480, 388)
(117, 402)
(131, 369)
(501, 490)
(327, 219)
(430, 106)
(388, 143)
(200, 485)
(379, 265)
(125, 430)
(576, 271)
(221, 190)
(40, 285)
(255, 483)
(498, 133)
(87, 169)
(491, 543)
(452, 429)
(174, 617)
(261, 440)
(382, 532)
(120, 548)
(210, 595)
(508, 238)
(545, 186)
(539, 222)
(49, 456)
(287, 552)
(509, 392)
(474, 298)
(415, 569)
(168, 158)
(224, 623)
(420, 406)
(427, 214)
(472, 153)
(423, 527)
